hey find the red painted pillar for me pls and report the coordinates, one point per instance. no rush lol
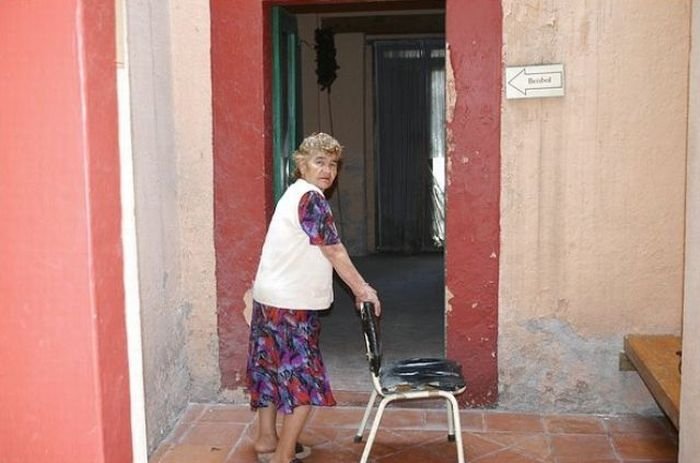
(473, 32)
(242, 167)
(64, 393)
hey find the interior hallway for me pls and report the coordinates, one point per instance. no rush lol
(411, 289)
(222, 434)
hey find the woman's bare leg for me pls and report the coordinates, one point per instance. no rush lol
(266, 440)
(292, 427)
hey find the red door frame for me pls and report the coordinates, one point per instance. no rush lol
(243, 178)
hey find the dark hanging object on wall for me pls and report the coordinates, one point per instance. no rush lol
(325, 58)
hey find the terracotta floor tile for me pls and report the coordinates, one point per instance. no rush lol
(195, 453)
(393, 440)
(535, 446)
(345, 417)
(420, 454)
(159, 453)
(389, 444)
(531, 445)
(584, 459)
(403, 418)
(242, 452)
(477, 445)
(327, 445)
(217, 434)
(635, 424)
(181, 429)
(443, 449)
(513, 422)
(470, 420)
(507, 456)
(649, 461)
(644, 446)
(183, 425)
(227, 413)
(565, 424)
(581, 445)
(346, 447)
(316, 436)
(327, 454)
(192, 413)
(668, 426)
(224, 434)
(436, 420)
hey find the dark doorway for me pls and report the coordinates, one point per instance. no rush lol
(411, 288)
(386, 107)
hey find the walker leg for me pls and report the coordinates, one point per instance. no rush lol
(458, 428)
(450, 421)
(368, 410)
(375, 426)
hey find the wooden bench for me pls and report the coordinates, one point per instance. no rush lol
(656, 359)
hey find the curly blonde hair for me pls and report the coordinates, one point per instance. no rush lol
(316, 143)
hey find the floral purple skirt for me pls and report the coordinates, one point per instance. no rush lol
(285, 367)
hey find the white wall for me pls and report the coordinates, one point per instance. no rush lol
(690, 380)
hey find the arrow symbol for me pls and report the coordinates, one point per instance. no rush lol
(525, 81)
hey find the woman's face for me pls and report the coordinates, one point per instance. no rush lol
(320, 170)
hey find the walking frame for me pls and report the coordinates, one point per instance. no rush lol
(410, 379)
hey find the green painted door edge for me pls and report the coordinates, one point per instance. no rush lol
(286, 115)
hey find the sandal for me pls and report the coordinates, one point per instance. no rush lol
(300, 452)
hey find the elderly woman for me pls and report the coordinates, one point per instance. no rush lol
(294, 281)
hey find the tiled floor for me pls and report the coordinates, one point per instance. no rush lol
(223, 434)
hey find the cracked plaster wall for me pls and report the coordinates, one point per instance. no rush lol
(592, 207)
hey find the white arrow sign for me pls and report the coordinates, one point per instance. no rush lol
(535, 81)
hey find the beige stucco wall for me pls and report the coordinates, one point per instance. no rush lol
(592, 199)
(172, 149)
(191, 64)
(690, 380)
